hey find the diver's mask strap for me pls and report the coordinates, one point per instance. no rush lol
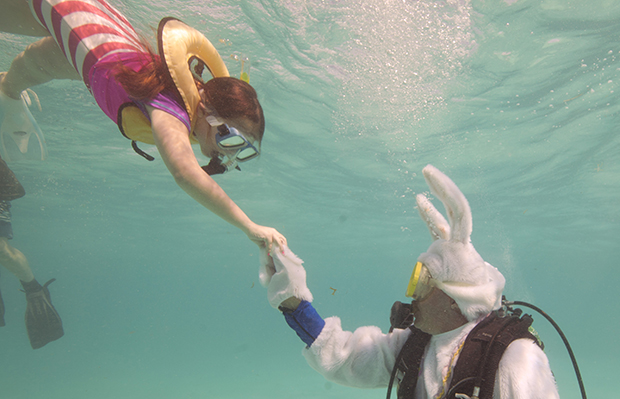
(213, 121)
(212, 116)
(215, 166)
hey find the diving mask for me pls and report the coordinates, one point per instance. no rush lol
(229, 139)
(420, 284)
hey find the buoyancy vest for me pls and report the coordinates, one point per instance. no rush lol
(185, 53)
(478, 361)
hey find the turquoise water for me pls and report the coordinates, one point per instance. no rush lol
(515, 100)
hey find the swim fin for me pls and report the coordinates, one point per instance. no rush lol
(42, 320)
(20, 136)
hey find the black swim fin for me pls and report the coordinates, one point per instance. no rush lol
(42, 320)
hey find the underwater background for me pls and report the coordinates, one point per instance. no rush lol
(514, 100)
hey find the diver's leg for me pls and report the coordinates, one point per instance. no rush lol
(43, 322)
(15, 261)
(41, 62)
(10, 257)
(17, 18)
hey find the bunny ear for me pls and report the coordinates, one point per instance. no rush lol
(457, 207)
(435, 221)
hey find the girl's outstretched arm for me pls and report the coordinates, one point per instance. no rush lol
(172, 140)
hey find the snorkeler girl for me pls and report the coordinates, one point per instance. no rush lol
(157, 99)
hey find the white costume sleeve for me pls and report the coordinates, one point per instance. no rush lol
(362, 359)
(524, 373)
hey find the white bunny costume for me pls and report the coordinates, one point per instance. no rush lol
(366, 357)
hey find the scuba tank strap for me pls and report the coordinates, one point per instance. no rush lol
(476, 367)
(408, 362)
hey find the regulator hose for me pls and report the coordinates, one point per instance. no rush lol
(559, 330)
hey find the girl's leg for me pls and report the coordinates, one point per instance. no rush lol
(45, 60)
(86, 31)
(41, 62)
(38, 63)
(17, 18)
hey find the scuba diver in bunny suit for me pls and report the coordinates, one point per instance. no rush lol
(458, 342)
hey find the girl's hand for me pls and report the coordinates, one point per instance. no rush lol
(264, 236)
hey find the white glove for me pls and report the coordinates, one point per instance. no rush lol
(283, 275)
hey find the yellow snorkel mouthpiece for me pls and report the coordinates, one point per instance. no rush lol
(413, 282)
(245, 77)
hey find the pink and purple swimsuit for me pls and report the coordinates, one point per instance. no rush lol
(94, 36)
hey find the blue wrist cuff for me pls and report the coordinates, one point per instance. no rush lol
(306, 322)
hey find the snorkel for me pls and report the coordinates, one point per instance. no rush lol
(216, 167)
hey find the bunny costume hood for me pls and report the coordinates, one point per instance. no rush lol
(455, 266)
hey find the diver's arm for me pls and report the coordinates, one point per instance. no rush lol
(172, 140)
(362, 359)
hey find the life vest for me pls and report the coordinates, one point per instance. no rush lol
(478, 361)
(185, 53)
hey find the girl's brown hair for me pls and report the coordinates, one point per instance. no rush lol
(231, 98)
(147, 82)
